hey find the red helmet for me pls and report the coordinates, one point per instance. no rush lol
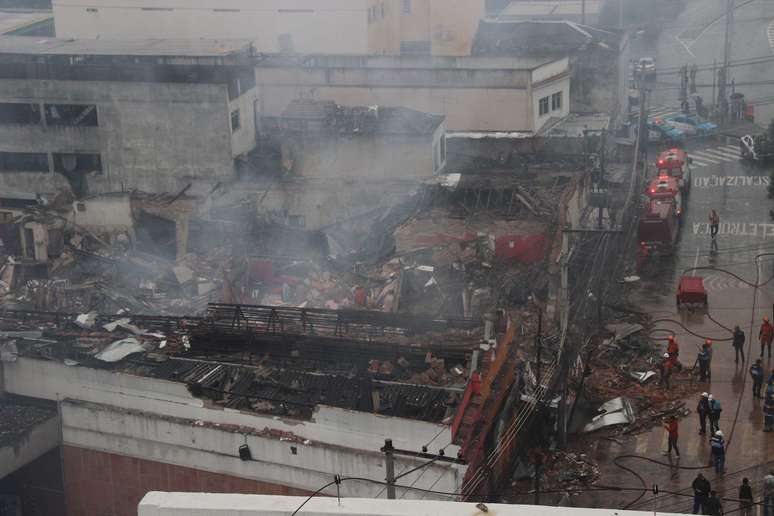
(708, 342)
(671, 337)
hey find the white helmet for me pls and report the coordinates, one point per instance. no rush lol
(719, 433)
(666, 355)
(704, 394)
(711, 397)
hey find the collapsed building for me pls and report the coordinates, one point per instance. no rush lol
(264, 322)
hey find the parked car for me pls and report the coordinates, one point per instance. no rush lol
(667, 132)
(702, 126)
(646, 66)
(688, 129)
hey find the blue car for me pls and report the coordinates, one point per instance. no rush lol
(666, 131)
(702, 126)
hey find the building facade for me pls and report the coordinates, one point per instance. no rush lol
(423, 27)
(473, 93)
(151, 116)
(288, 26)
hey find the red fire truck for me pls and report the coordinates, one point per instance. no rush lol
(676, 163)
(658, 228)
(666, 189)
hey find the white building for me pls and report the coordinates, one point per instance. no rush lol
(296, 26)
(196, 504)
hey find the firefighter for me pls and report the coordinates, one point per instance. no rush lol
(766, 335)
(738, 342)
(704, 364)
(714, 415)
(718, 448)
(673, 348)
(703, 410)
(665, 366)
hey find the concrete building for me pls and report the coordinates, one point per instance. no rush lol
(303, 26)
(599, 58)
(423, 27)
(473, 93)
(201, 504)
(129, 427)
(96, 116)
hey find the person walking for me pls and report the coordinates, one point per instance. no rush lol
(765, 335)
(701, 491)
(756, 372)
(672, 430)
(768, 414)
(665, 367)
(718, 446)
(673, 348)
(714, 221)
(738, 342)
(714, 414)
(768, 494)
(746, 497)
(704, 361)
(703, 410)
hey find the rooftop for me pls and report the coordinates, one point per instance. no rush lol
(327, 116)
(31, 45)
(270, 360)
(202, 504)
(550, 8)
(537, 37)
(18, 416)
(18, 21)
(575, 125)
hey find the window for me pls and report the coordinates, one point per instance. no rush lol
(71, 114)
(543, 106)
(297, 221)
(6, 217)
(23, 162)
(381, 10)
(556, 101)
(69, 163)
(91, 10)
(235, 122)
(13, 113)
(406, 7)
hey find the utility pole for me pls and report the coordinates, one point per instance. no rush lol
(389, 465)
(684, 89)
(620, 14)
(583, 12)
(723, 78)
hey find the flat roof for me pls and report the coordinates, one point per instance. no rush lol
(12, 20)
(201, 504)
(554, 8)
(32, 45)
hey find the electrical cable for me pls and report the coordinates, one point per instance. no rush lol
(755, 286)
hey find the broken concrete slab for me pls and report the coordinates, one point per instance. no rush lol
(120, 349)
(183, 274)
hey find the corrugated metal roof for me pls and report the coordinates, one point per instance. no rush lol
(144, 47)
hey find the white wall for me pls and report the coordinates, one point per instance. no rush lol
(198, 445)
(152, 419)
(202, 504)
(316, 26)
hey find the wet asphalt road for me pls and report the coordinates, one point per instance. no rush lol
(738, 191)
(696, 36)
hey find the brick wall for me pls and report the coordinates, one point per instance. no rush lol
(104, 484)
